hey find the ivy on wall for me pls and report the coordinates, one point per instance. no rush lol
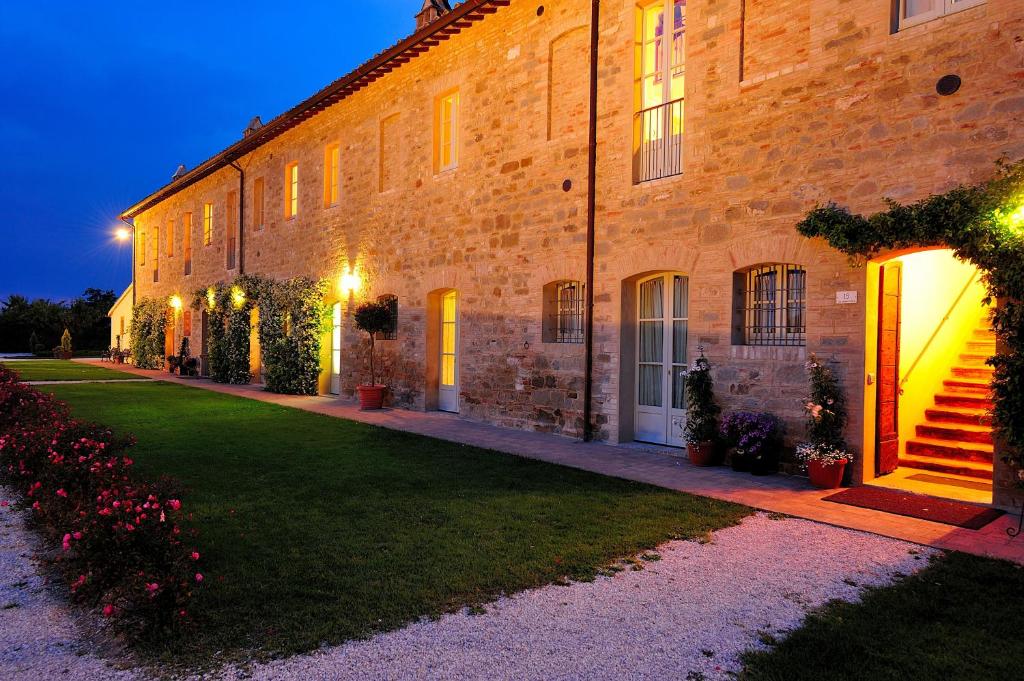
(292, 318)
(228, 311)
(983, 224)
(149, 321)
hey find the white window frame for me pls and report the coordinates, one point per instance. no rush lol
(946, 7)
(291, 188)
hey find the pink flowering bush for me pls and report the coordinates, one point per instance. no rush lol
(121, 544)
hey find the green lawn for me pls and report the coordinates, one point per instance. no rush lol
(316, 529)
(960, 618)
(60, 370)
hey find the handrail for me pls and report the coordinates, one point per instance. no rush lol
(938, 328)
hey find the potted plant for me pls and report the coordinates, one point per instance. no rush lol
(754, 437)
(373, 318)
(701, 413)
(173, 362)
(825, 454)
(187, 365)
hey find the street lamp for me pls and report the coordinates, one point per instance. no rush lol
(127, 233)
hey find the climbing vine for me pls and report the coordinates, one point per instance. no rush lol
(149, 319)
(983, 224)
(291, 315)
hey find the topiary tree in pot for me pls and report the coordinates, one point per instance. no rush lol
(373, 318)
(701, 413)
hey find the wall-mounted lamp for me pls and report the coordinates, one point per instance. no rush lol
(175, 303)
(237, 297)
(349, 283)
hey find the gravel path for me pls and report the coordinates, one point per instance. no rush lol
(689, 614)
(39, 637)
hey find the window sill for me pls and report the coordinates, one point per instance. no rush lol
(782, 353)
(445, 172)
(654, 182)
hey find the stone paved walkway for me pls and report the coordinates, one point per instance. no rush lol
(778, 493)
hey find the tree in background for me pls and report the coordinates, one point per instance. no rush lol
(45, 320)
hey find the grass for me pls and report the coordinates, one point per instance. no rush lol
(315, 529)
(960, 618)
(61, 370)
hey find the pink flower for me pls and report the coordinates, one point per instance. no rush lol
(152, 587)
(199, 577)
(174, 504)
(195, 555)
(66, 543)
(4, 504)
(78, 582)
(62, 493)
(77, 535)
(109, 610)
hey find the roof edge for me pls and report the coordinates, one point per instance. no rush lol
(447, 25)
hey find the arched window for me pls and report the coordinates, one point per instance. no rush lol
(392, 301)
(770, 305)
(563, 312)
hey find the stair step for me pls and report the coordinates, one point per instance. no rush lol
(985, 333)
(967, 469)
(957, 385)
(961, 433)
(963, 400)
(982, 346)
(974, 417)
(984, 372)
(974, 358)
(945, 449)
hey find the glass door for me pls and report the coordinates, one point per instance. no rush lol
(448, 389)
(336, 349)
(662, 320)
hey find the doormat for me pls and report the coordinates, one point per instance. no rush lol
(920, 506)
(953, 482)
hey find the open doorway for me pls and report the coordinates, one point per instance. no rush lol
(928, 340)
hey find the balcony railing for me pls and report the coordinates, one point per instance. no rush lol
(658, 142)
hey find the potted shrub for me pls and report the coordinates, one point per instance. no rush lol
(187, 365)
(173, 362)
(701, 413)
(825, 454)
(754, 437)
(373, 318)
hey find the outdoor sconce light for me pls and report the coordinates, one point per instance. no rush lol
(175, 303)
(237, 297)
(349, 283)
(211, 298)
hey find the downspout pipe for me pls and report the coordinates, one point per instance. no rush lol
(131, 227)
(241, 216)
(588, 370)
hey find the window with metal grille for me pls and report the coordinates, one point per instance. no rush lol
(392, 332)
(563, 312)
(771, 304)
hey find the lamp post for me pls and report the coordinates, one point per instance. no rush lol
(127, 233)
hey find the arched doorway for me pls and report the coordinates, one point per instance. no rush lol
(654, 345)
(927, 396)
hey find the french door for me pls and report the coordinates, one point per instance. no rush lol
(662, 319)
(336, 349)
(448, 383)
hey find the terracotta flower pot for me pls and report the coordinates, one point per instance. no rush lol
(370, 396)
(702, 454)
(826, 475)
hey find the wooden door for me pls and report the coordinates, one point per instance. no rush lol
(887, 426)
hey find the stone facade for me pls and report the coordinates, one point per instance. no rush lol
(787, 105)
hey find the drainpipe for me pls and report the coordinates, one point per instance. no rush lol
(131, 228)
(241, 216)
(588, 379)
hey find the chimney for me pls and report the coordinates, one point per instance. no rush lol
(431, 12)
(254, 125)
(179, 172)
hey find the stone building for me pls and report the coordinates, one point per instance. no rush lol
(451, 172)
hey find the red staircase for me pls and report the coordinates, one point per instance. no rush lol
(956, 436)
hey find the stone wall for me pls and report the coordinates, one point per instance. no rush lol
(785, 109)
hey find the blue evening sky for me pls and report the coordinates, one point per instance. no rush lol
(101, 100)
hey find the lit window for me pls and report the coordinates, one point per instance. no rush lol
(257, 203)
(186, 241)
(563, 312)
(170, 238)
(447, 152)
(291, 190)
(661, 79)
(332, 168)
(771, 306)
(914, 12)
(207, 224)
(392, 332)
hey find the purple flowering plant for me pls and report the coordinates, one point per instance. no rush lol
(749, 431)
